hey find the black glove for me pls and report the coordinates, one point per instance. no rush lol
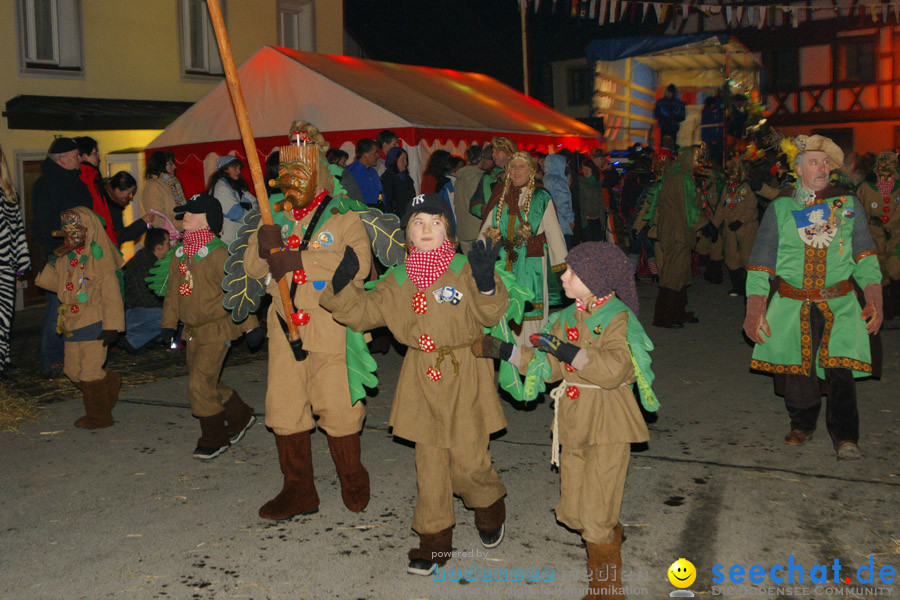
(735, 225)
(482, 258)
(711, 231)
(551, 344)
(268, 238)
(487, 346)
(109, 337)
(286, 261)
(246, 205)
(255, 338)
(345, 271)
(167, 336)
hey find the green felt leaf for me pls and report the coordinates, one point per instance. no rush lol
(243, 294)
(159, 274)
(360, 366)
(386, 236)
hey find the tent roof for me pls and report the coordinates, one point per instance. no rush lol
(340, 93)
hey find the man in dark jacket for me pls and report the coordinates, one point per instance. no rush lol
(669, 113)
(57, 189)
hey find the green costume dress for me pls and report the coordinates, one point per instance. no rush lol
(813, 247)
(532, 259)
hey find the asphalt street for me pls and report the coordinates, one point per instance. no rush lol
(126, 512)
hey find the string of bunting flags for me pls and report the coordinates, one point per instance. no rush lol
(735, 13)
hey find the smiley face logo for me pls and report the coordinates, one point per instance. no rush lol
(682, 573)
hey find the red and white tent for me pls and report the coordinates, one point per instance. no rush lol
(349, 98)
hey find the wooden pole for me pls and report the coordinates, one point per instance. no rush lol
(522, 6)
(243, 119)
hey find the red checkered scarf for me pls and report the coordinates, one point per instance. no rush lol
(885, 186)
(424, 267)
(194, 240)
(580, 305)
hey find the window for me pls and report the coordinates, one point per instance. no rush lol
(49, 34)
(297, 25)
(581, 85)
(855, 59)
(199, 50)
(782, 70)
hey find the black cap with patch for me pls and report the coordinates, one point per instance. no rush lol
(430, 204)
(203, 204)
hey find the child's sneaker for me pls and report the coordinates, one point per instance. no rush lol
(420, 566)
(208, 452)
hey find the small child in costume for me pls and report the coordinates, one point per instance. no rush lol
(446, 400)
(91, 312)
(598, 349)
(193, 294)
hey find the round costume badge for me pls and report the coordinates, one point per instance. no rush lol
(202, 252)
(179, 252)
(74, 309)
(874, 205)
(82, 296)
(70, 287)
(326, 238)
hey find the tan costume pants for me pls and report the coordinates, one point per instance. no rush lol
(890, 265)
(298, 390)
(206, 393)
(738, 245)
(592, 483)
(83, 361)
(464, 470)
(715, 250)
(674, 262)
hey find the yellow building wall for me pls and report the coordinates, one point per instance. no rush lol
(132, 51)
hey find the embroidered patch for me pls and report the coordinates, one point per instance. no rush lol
(447, 294)
(202, 252)
(815, 225)
(319, 285)
(848, 213)
(325, 238)
(179, 252)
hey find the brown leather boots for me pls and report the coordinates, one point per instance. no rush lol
(99, 398)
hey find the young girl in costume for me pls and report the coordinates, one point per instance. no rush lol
(598, 349)
(446, 400)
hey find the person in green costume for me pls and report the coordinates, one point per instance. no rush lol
(597, 348)
(522, 219)
(813, 239)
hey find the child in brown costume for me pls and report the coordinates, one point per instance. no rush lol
(597, 347)
(91, 312)
(194, 296)
(446, 400)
